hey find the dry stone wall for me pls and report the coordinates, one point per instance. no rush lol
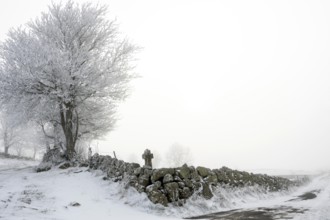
(175, 185)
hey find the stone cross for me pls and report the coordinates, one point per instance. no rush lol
(147, 156)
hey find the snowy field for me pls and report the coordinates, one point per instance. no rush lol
(76, 193)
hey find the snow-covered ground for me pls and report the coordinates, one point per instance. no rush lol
(25, 194)
(8, 163)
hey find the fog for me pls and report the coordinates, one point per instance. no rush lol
(243, 84)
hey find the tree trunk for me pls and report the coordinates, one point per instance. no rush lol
(6, 151)
(57, 139)
(69, 133)
(5, 142)
(34, 153)
(70, 148)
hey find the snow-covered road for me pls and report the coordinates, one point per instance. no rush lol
(309, 202)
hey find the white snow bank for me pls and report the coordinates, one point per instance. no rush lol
(25, 194)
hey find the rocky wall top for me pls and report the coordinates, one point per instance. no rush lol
(175, 185)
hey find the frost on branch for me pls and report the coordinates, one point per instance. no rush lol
(68, 68)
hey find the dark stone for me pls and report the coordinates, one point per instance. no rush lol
(137, 171)
(160, 173)
(84, 164)
(184, 172)
(147, 172)
(181, 185)
(195, 176)
(157, 196)
(54, 156)
(197, 186)
(74, 204)
(211, 179)
(117, 179)
(140, 188)
(130, 168)
(188, 183)
(177, 179)
(143, 180)
(154, 186)
(206, 192)
(65, 165)
(167, 178)
(203, 171)
(134, 165)
(42, 167)
(172, 190)
(185, 193)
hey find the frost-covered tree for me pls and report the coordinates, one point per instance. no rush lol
(32, 140)
(8, 131)
(70, 68)
(19, 136)
(19, 149)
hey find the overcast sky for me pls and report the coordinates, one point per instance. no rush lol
(243, 84)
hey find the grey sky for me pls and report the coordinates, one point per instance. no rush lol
(244, 84)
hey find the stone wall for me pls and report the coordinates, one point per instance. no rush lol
(175, 185)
